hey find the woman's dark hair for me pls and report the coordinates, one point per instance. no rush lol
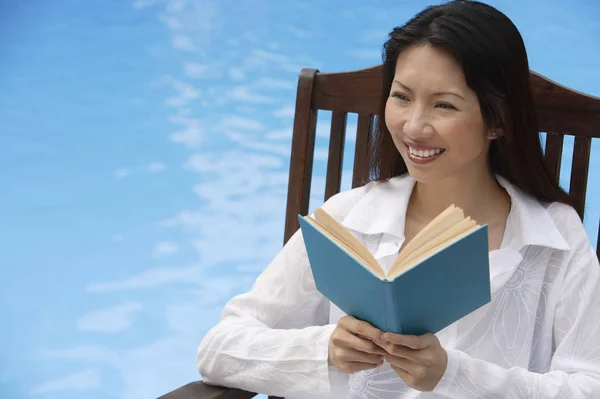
(491, 52)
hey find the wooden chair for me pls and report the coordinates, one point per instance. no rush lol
(561, 111)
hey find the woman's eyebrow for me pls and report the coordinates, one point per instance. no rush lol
(441, 93)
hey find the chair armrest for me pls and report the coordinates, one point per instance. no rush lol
(200, 390)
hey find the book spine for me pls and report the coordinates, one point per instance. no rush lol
(392, 309)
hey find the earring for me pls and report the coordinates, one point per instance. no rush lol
(495, 133)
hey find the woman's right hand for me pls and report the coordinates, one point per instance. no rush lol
(352, 346)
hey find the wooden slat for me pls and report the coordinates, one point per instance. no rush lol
(361, 160)
(553, 153)
(303, 147)
(335, 159)
(358, 91)
(561, 109)
(579, 123)
(579, 171)
(199, 389)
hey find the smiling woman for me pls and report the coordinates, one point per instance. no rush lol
(457, 125)
(470, 72)
(432, 125)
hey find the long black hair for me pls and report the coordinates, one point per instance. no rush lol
(491, 52)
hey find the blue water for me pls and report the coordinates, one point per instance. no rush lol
(143, 167)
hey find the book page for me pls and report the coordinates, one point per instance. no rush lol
(339, 234)
(446, 238)
(337, 239)
(444, 221)
(448, 235)
(443, 240)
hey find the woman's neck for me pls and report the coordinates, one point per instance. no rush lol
(480, 196)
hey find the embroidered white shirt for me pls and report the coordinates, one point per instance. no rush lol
(539, 337)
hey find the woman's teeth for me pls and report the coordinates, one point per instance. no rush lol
(424, 153)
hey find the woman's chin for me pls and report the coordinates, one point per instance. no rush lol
(423, 176)
(419, 177)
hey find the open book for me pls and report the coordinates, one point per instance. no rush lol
(438, 277)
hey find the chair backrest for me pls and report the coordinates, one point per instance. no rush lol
(560, 111)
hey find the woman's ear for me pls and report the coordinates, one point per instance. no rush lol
(495, 133)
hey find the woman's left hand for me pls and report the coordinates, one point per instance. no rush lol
(419, 360)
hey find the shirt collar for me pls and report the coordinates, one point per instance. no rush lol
(383, 209)
(531, 222)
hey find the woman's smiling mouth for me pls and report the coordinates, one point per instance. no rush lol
(420, 154)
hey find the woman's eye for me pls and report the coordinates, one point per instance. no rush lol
(400, 96)
(445, 106)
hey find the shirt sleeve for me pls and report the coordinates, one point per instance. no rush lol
(273, 339)
(574, 371)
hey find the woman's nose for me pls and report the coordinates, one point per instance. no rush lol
(417, 125)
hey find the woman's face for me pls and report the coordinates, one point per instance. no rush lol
(434, 117)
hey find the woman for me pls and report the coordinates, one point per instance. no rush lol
(457, 125)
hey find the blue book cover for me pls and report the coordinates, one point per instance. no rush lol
(425, 298)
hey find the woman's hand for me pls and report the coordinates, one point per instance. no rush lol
(352, 347)
(419, 360)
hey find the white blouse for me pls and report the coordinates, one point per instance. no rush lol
(539, 337)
